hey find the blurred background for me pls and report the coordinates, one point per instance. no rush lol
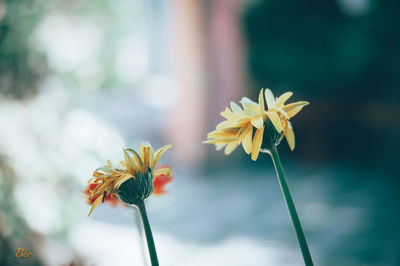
(81, 80)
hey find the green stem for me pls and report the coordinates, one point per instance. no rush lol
(291, 207)
(138, 220)
(149, 235)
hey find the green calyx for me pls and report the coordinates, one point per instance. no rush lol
(271, 136)
(135, 190)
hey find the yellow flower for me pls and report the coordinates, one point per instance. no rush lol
(133, 181)
(271, 124)
(238, 127)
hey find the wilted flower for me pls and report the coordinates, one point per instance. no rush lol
(270, 125)
(134, 181)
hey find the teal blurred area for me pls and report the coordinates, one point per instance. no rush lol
(81, 80)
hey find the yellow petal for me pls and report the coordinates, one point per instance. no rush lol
(290, 137)
(241, 121)
(220, 140)
(247, 140)
(282, 99)
(258, 122)
(246, 102)
(293, 108)
(95, 203)
(281, 111)
(269, 97)
(225, 124)
(227, 113)
(261, 100)
(130, 165)
(231, 147)
(276, 121)
(251, 112)
(226, 133)
(137, 159)
(257, 141)
(219, 146)
(163, 171)
(122, 180)
(160, 152)
(145, 154)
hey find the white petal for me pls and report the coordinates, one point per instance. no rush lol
(236, 108)
(269, 97)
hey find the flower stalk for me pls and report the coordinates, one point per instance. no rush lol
(290, 205)
(147, 230)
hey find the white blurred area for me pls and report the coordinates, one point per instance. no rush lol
(126, 249)
(55, 140)
(75, 123)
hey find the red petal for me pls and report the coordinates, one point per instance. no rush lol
(159, 183)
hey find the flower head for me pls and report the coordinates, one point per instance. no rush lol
(270, 125)
(135, 180)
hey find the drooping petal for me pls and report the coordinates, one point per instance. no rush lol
(282, 99)
(257, 141)
(219, 146)
(231, 147)
(290, 137)
(247, 140)
(269, 97)
(276, 121)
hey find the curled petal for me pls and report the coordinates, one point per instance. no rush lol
(160, 152)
